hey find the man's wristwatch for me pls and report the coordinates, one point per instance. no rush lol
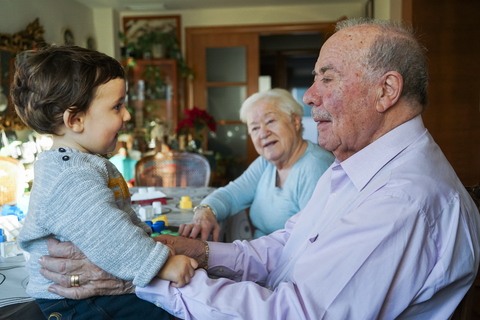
(204, 206)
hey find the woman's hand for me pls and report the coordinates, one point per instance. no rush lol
(203, 221)
(66, 260)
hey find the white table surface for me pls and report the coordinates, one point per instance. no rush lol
(13, 281)
(175, 215)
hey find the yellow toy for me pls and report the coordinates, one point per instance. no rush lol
(185, 203)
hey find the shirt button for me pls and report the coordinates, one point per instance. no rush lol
(220, 270)
(62, 150)
(158, 304)
(65, 158)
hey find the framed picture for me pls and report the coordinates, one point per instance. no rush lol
(134, 27)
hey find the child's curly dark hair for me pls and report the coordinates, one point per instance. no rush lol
(54, 79)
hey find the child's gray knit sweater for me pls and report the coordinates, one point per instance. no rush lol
(82, 198)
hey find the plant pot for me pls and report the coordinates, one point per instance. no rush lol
(158, 51)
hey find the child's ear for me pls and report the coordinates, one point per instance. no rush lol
(74, 122)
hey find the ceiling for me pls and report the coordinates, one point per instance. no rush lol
(146, 5)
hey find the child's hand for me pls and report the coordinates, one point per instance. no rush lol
(178, 269)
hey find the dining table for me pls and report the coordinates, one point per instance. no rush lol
(172, 210)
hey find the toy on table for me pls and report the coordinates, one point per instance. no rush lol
(159, 226)
(11, 226)
(148, 212)
(147, 196)
(185, 203)
(12, 211)
(9, 249)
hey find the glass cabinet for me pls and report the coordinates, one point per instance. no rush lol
(152, 91)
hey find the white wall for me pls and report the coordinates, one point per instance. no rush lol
(258, 15)
(106, 23)
(388, 9)
(54, 16)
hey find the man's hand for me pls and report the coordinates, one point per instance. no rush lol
(192, 248)
(203, 222)
(65, 260)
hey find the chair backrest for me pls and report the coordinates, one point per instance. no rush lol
(12, 175)
(173, 169)
(464, 310)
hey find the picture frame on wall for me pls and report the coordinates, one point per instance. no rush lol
(134, 27)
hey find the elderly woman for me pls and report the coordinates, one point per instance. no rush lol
(279, 183)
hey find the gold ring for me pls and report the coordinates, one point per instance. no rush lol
(74, 281)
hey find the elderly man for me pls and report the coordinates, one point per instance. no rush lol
(390, 232)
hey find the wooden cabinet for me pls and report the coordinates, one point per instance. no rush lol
(153, 92)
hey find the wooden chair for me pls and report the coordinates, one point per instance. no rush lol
(173, 169)
(12, 175)
(464, 311)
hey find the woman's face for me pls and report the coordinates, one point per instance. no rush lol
(274, 133)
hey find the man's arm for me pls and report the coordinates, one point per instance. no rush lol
(380, 262)
(65, 260)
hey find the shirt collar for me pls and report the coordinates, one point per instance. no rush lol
(363, 165)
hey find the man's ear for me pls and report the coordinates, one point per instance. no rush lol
(390, 90)
(74, 122)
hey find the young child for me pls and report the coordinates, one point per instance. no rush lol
(77, 96)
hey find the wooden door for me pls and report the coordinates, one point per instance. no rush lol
(226, 73)
(450, 32)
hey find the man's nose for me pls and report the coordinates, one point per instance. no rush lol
(312, 97)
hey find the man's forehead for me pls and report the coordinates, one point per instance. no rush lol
(343, 48)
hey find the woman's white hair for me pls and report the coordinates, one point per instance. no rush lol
(280, 98)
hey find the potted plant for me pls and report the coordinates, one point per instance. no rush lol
(147, 44)
(195, 127)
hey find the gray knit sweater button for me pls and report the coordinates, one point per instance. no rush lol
(66, 158)
(62, 150)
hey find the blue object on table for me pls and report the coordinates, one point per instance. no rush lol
(159, 226)
(149, 223)
(13, 211)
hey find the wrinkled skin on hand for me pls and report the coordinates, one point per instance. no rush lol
(203, 223)
(192, 248)
(65, 260)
